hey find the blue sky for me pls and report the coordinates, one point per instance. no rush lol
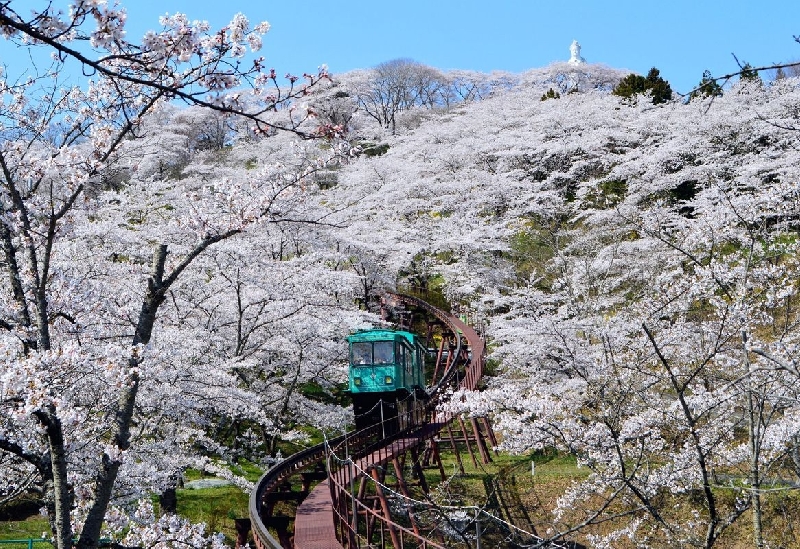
(682, 37)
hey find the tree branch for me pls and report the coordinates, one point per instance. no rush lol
(168, 90)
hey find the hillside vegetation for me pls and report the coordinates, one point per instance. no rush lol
(636, 266)
(178, 281)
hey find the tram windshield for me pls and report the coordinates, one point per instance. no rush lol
(361, 353)
(384, 352)
(365, 353)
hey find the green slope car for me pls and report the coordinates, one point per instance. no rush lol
(386, 375)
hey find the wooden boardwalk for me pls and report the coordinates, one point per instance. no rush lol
(313, 525)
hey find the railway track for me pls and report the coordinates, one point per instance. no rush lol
(338, 512)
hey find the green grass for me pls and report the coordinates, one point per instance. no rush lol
(248, 470)
(243, 468)
(217, 507)
(32, 527)
(24, 543)
(21, 520)
(553, 471)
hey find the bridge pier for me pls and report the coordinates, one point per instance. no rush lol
(466, 441)
(380, 477)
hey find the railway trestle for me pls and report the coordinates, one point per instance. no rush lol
(355, 507)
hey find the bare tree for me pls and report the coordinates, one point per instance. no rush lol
(399, 85)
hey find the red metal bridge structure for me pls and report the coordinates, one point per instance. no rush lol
(352, 506)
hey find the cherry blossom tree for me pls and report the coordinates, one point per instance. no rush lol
(113, 269)
(637, 340)
(636, 264)
(186, 60)
(396, 86)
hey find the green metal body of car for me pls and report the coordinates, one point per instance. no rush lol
(385, 361)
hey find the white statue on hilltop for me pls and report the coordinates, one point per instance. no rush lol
(575, 54)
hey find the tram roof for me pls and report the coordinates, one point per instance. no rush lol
(379, 334)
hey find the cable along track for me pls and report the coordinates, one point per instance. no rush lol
(330, 516)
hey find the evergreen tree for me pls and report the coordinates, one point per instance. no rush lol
(631, 85)
(660, 88)
(551, 94)
(635, 84)
(708, 87)
(749, 73)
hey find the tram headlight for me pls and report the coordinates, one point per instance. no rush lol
(357, 381)
(388, 380)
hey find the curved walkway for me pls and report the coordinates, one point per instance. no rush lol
(313, 525)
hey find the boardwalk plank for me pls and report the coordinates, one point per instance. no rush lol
(313, 526)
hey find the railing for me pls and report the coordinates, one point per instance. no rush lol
(357, 443)
(273, 478)
(342, 473)
(371, 440)
(29, 543)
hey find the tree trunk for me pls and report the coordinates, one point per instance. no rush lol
(58, 495)
(753, 433)
(107, 474)
(754, 409)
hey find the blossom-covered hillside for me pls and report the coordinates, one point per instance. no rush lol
(636, 267)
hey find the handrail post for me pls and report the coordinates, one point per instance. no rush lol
(353, 497)
(383, 425)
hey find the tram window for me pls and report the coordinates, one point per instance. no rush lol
(361, 353)
(384, 352)
(409, 361)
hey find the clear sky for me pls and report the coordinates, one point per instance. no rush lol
(680, 37)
